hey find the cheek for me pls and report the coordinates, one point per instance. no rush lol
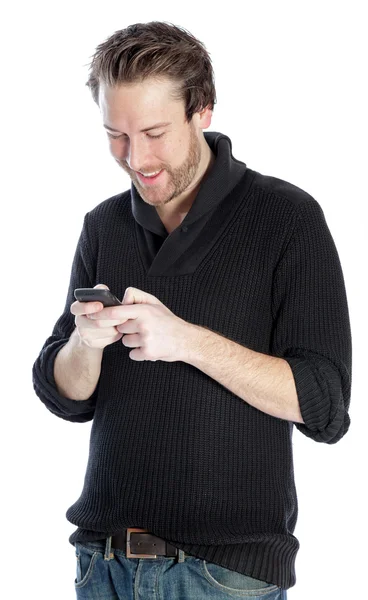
(116, 148)
(173, 153)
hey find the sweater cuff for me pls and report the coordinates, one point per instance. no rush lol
(45, 387)
(319, 386)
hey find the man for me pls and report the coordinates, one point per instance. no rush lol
(234, 327)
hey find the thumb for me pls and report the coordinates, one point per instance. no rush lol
(135, 296)
(101, 285)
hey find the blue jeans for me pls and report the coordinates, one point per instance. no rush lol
(104, 573)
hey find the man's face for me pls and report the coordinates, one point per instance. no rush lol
(176, 150)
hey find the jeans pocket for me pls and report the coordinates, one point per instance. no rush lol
(234, 583)
(86, 560)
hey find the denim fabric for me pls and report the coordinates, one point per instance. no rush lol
(104, 573)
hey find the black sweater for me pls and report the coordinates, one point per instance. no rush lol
(171, 449)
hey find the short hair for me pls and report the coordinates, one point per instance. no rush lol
(156, 50)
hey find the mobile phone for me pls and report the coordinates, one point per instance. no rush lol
(96, 295)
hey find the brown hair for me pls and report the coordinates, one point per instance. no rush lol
(156, 49)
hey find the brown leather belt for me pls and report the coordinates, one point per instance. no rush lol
(140, 543)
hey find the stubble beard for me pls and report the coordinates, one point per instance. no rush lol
(179, 178)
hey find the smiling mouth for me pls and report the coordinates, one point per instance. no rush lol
(149, 180)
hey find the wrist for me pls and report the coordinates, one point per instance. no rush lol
(81, 346)
(189, 345)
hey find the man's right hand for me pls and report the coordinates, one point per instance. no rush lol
(90, 331)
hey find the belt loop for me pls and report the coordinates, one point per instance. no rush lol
(181, 557)
(108, 554)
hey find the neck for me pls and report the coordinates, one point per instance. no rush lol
(173, 213)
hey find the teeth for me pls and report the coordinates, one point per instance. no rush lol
(149, 174)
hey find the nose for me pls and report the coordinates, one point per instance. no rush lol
(136, 155)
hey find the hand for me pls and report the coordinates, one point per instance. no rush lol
(92, 333)
(148, 326)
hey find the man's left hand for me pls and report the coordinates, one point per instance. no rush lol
(149, 326)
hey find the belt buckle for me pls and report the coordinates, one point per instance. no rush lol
(128, 553)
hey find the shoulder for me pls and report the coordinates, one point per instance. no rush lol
(286, 211)
(111, 207)
(281, 189)
(285, 202)
(109, 212)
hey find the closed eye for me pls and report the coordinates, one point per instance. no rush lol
(115, 137)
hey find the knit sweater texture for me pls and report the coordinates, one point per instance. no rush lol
(171, 449)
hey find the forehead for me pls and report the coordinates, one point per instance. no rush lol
(146, 99)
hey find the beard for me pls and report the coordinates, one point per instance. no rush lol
(178, 179)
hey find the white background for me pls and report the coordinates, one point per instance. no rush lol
(290, 95)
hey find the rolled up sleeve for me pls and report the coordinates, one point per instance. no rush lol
(82, 275)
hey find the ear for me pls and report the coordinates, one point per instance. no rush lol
(205, 117)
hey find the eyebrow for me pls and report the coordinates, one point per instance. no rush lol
(142, 130)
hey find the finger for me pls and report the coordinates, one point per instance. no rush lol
(119, 312)
(132, 341)
(96, 323)
(83, 322)
(130, 326)
(84, 308)
(135, 296)
(137, 354)
(102, 323)
(99, 334)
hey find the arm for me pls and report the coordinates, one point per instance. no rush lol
(307, 376)
(265, 382)
(311, 325)
(67, 404)
(77, 369)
